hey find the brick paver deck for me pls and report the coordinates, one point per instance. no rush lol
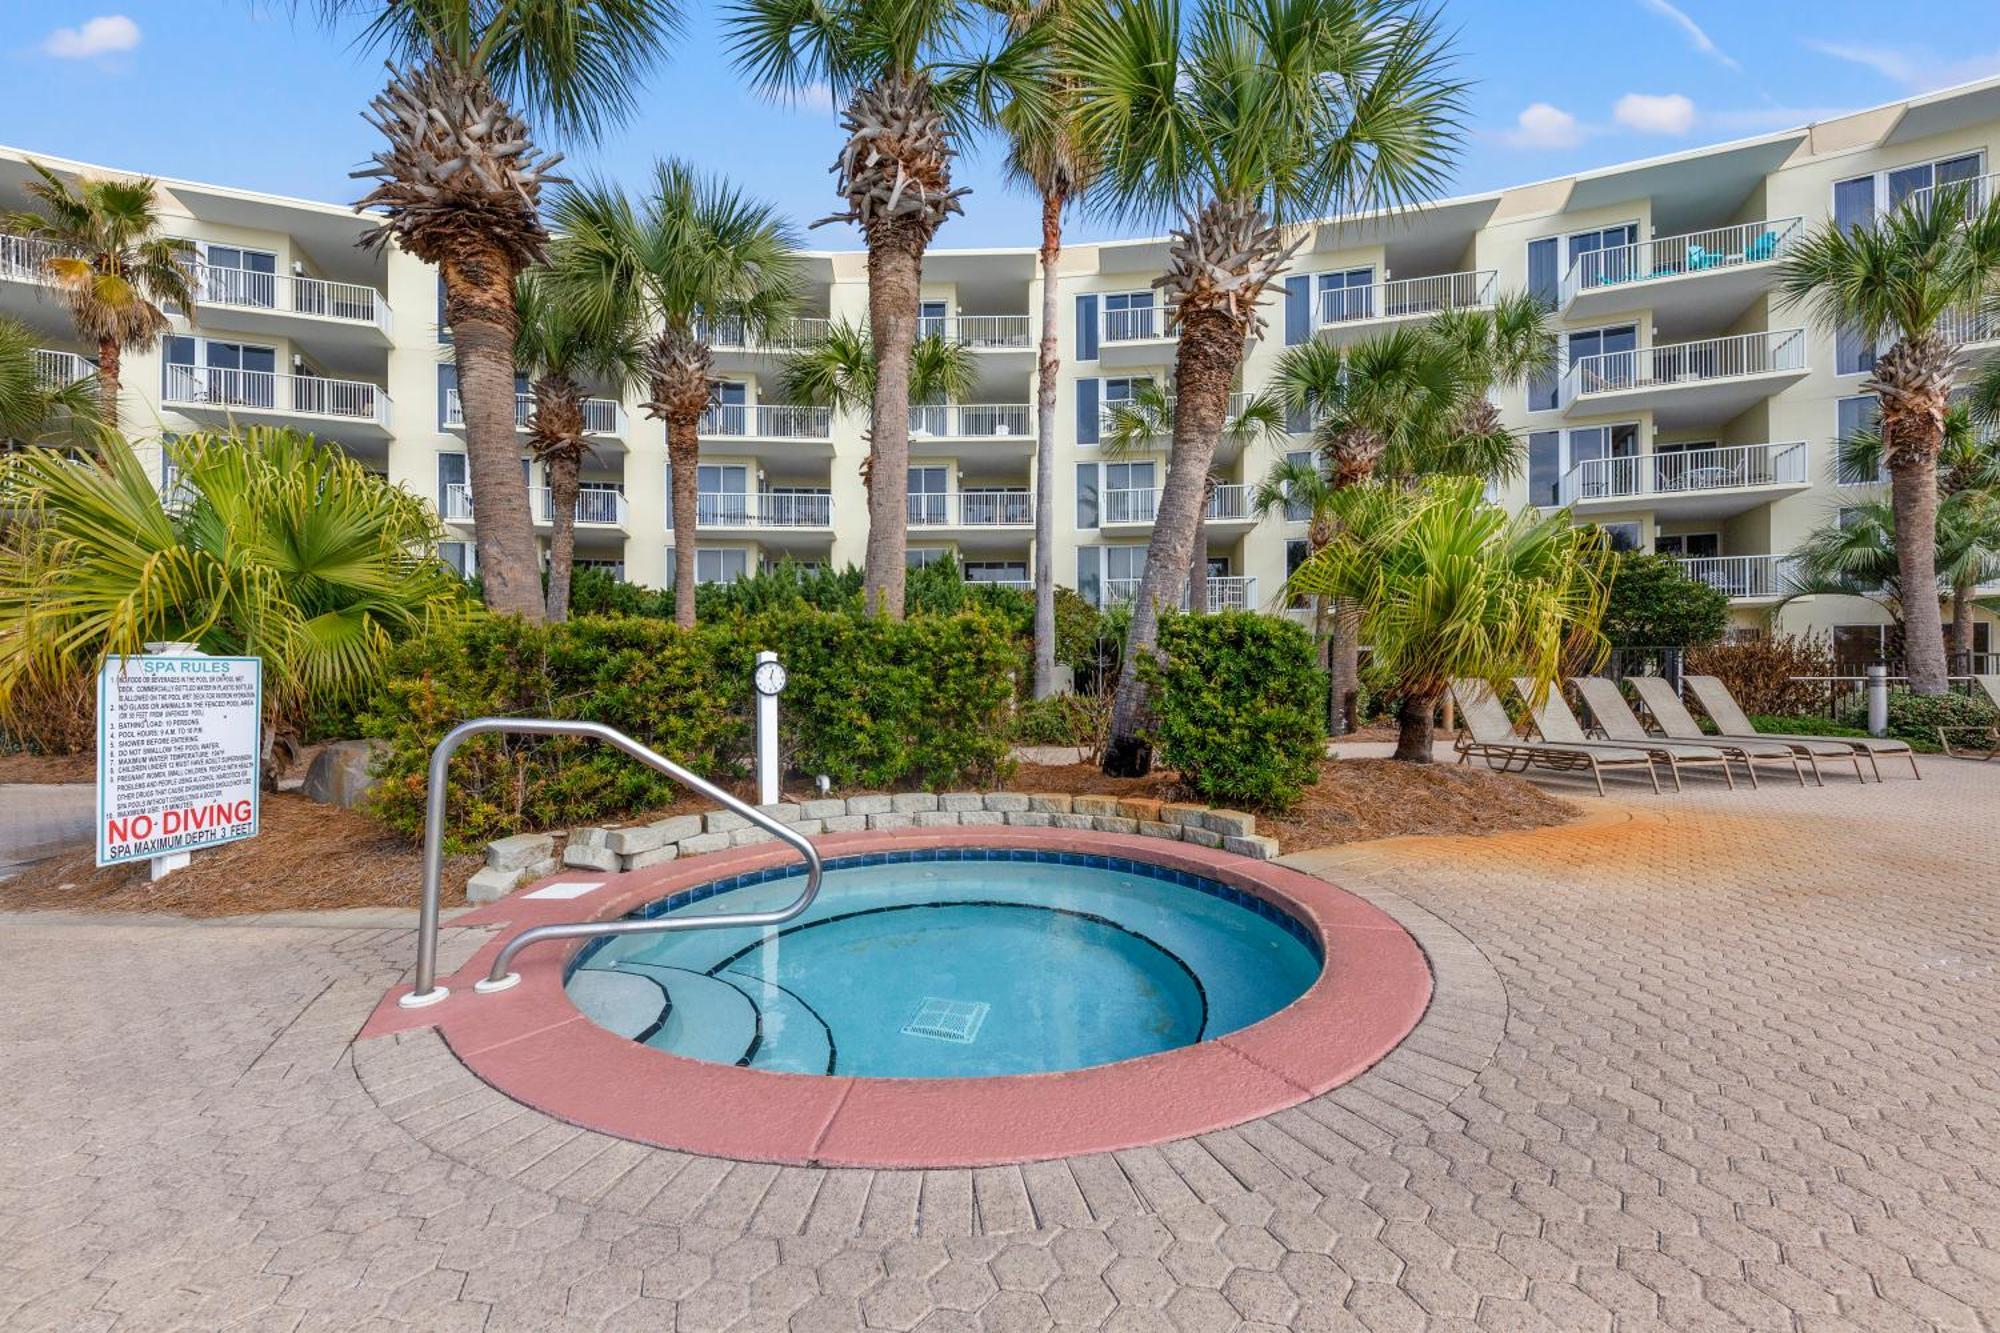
(39, 820)
(1704, 1062)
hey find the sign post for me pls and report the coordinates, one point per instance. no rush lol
(179, 748)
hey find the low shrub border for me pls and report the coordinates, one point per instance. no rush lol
(513, 861)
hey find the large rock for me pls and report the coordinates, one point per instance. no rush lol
(339, 773)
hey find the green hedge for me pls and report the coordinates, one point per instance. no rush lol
(870, 703)
(1238, 706)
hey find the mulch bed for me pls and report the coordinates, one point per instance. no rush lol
(311, 857)
(16, 766)
(306, 857)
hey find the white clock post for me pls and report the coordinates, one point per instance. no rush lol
(769, 678)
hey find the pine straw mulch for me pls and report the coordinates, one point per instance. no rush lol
(1354, 800)
(310, 857)
(306, 857)
(19, 766)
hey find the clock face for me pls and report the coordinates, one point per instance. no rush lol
(769, 677)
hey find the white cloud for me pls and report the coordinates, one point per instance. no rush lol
(1668, 113)
(1701, 40)
(1541, 125)
(818, 98)
(1915, 69)
(105, 35)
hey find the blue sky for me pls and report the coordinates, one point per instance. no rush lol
(240, 93)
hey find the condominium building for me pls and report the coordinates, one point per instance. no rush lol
(1693, 413)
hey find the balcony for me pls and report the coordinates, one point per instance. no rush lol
(266, 393)
(240, 298)
(1690, 383)
(733, 335)
(1358, 310)
(1147, 324)
(1711, 275)
(779, 509)
(1228, 504)
(1226, 592)
(981, 333)
(59, 370)
(1969, 328)
(601, 416)
(973, 421)
(596, 507)
(1689, 483)
(1979, 192)
(767, 421)
(24, 258)
(972, 509)
(1746, 578)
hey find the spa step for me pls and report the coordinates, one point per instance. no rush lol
(627, 1003)
(796, 1039)
(710, 1019)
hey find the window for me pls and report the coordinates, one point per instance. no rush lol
(459, 555)
(1294, 511)
(1858, 645)
(932, 318)
(725, 565)
(1855, 416)
(1129, 315)
(453, 495)
(1859, 199)
(1545, 270)
(730, 411)
(1086, 495)
(203, 370)
(1088, 585)
(1614, 349)
(1124, 567)
(1621, 536)
(1124, 390)
(927, 499)
(918, 557)
(721, 493)
(1346, 295)
(1551, 257)
(1688, 545)
(1129, 492)
(1554, 455)
(1852, 354)
(233, 275)
(1544, 467)
(1846, 517)
(1296, 552)
(614, 568)
(995, 571)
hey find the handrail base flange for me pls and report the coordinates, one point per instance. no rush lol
(489, 985)
(415, 1001)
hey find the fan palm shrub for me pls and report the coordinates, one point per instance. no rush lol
(695, 254)
(1911, 278)
(1236, 121)
(273, 545)
(561, 352)
(459, 184)
(1858, 555)
(912, 76)
(110, 264)
(1301, 488)
(1447, 585)
(32, 409)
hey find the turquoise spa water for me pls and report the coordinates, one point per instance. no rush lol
(929, 965)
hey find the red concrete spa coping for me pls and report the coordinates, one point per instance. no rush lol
(531, 1043)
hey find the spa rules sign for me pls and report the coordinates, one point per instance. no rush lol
(178, 743)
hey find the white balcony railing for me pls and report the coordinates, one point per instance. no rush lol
(1979, 192)
(601, 416)
(25, 258)
(267, 391)
(1686, 255)
(1141, 505)
(972, 420)
(1969, 326)
(1226, 592)
(1018, 585)
(57, 370)
(768, 421)
(789, 336)
(979, 332)
(1687, 363)
(1682, 471)
(1406, 298)
(1238, 401)
(972, 509)
(1124, 326)
(286, 293)
(1742, 576)
(596, 506)
(782, 509)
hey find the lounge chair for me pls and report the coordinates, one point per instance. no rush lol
(1559, 726)
(1608, 707)
(1730, 720)
(1663, 701)
(1488, 732)
(1977, 741)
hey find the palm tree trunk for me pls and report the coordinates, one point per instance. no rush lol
(563, 470)
(1914, 498)
(1961, 630)
(1197, 580)
(1046, 367)
(684, 466)
(483, 326)
(1414, 728)
(893, 283)
(1344, 659)
(110, 368)
(1211, 348)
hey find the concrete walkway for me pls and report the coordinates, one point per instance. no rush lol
(38, 820)
(1703, 1062)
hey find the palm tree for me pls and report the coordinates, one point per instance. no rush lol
(695, 254)
(274, 545)
(1239, 122)
(1911, 276)
(32, 409)
(839, 370)
(1505, 347)
(1135, 426)
(459, 185)
(1047, 153)
(560, 352)
(1450, 586)
(906, 71)
(1301, 486)
(109, 263)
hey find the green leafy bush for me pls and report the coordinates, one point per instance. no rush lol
(1916, 717)
(871, 702)
(1237, 702)
(1655, 604)
(1794, 724)
(1064, 719)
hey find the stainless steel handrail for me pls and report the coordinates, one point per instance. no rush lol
(427, 991)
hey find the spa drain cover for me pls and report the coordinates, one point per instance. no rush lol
(947, 1020)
